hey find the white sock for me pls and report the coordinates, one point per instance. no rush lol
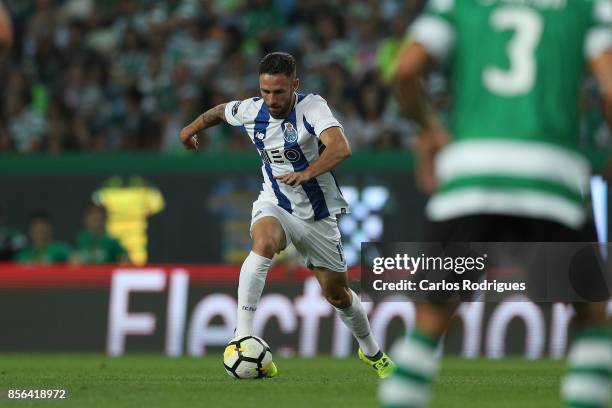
(252, 280)
(356, 319)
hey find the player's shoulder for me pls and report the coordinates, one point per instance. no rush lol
(308, 98)
(311, 100)
(244, 104)
(240, 111)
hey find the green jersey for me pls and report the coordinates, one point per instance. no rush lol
(99, 250)
(517, 68)
(53, 252)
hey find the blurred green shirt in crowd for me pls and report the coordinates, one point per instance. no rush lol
(102, 249)
(53, 252)
(94, 244)
(43, 249)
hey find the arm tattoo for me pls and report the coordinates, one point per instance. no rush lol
(212, 116)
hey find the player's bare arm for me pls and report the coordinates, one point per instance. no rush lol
(411, 97)
(6, 28)
(601, 67)
(337, 149)
(409, 88)
(212, 117)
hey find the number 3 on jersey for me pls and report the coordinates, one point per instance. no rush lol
(520, 78)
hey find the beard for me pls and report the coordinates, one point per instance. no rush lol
(282, 111)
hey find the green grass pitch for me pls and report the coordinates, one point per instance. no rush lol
(158, 381)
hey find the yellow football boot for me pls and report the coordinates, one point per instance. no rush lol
(383, 365)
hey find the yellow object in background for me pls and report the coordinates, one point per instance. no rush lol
(128, 207)
(389, 52)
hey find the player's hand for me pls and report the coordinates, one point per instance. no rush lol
(189, 140)
(429, 143)
(294, 179)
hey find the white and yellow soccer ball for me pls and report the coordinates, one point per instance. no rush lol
(247, 357)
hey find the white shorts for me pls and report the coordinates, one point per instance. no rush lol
(317, 242)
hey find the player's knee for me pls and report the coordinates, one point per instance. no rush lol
(339, 299)
(267, 247)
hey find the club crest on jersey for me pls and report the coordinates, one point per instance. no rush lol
(290, 133)
(260, 135)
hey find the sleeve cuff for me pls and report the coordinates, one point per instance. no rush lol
(435, 34)
(329, 126)
(229, 117)
(598, 41)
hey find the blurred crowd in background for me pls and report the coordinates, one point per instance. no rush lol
(127, 75)
(92, 245)
(111, 75)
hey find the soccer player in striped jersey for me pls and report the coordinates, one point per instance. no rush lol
(513, 171)
(299, 142)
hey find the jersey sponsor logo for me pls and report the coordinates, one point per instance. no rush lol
(290, 133)
(278, 156)
(235, 108)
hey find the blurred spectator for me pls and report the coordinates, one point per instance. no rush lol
(140, 130)
(6, 28)
(11, 240)
(236, 78)
(74, 48)
(129, 60)
(26, 125)
(263, 25)
(43, 249)
(60, 134)
(41, 24)
(338, 91)
(366, 38)
(367, 126)
(331, 43)
(198, 47)
(188, 109)
(389, 48)
(46, 62)
(94, 244)
(6, 144)
(131, 16)
(156, 85)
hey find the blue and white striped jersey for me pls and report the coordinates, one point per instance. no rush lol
(291, 144)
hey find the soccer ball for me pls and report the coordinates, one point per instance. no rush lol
(247, 357)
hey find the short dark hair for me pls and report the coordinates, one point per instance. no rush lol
(278, 63)
(91, 206)
(40, 215)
